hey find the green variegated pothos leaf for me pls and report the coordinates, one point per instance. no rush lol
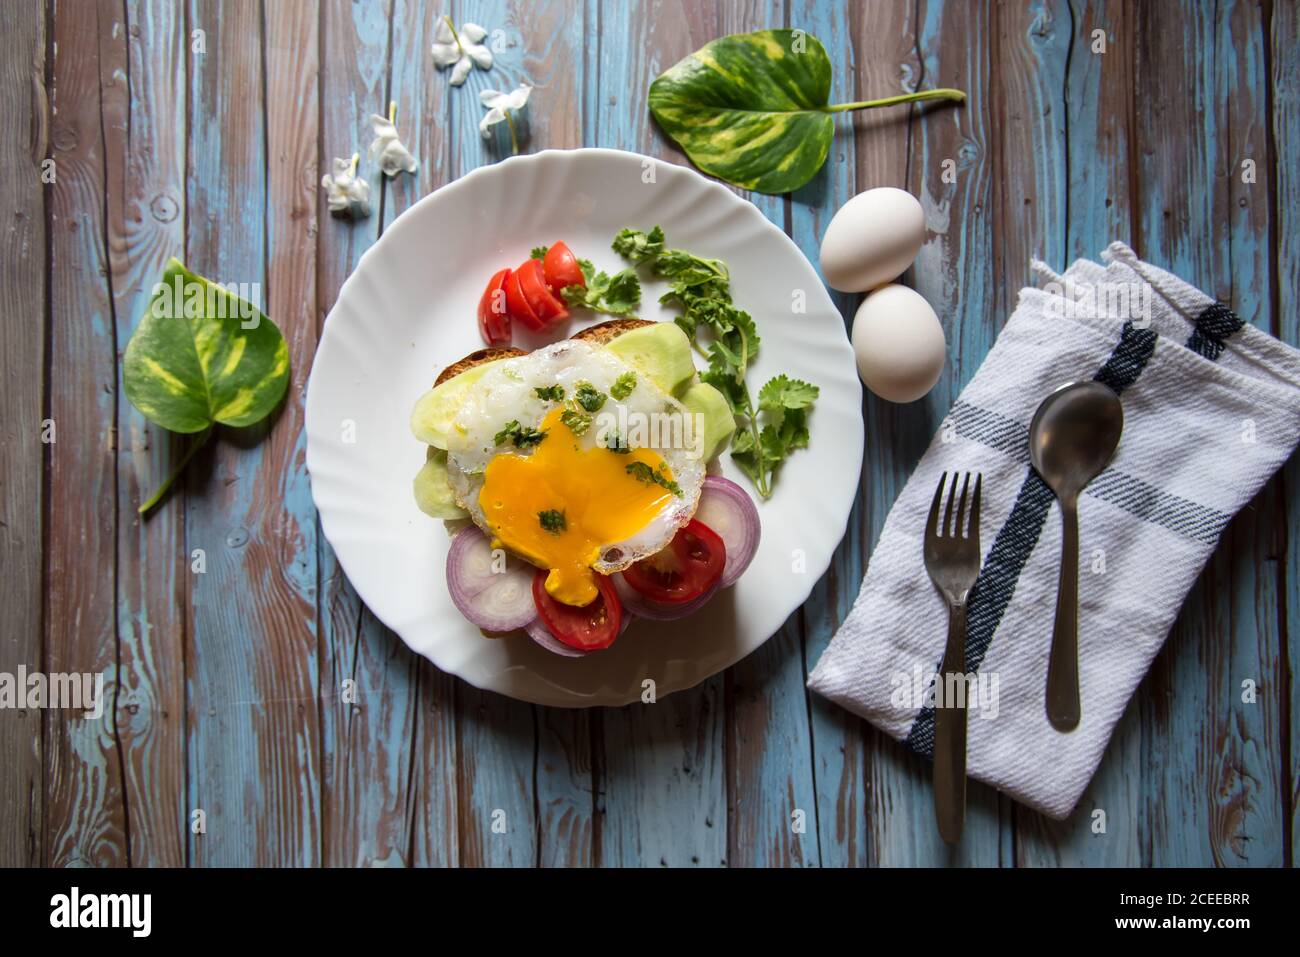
(202, 356)
(753, 108)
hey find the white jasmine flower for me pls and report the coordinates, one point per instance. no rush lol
(393, 157)
(461, 50)
(504, 107)
(347, 193)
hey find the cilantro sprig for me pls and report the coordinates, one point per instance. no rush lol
(639, 247)
(785, 403)
(701, 289)
(616, 295)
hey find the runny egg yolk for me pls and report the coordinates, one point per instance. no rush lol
(599, 501)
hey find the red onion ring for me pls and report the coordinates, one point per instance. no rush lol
(492, 600)
(641, 606)
(727, 509)
(538, 631)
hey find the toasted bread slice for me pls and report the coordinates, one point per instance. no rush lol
(599, 334)
(602, 332)
(477, 359)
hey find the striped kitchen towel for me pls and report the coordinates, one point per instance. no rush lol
(1211, 410)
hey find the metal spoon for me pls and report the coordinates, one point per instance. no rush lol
(1072, 438)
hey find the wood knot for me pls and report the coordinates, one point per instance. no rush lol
(164, 208)
(65, 139)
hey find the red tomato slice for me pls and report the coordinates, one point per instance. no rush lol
(690, 565)
(532, 281)
(517, 303)
(561, 268)
(493, 313)
(588, 628)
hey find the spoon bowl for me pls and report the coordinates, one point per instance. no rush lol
(1074, 435)
(1072, 438)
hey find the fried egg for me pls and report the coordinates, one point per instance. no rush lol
(570, 459)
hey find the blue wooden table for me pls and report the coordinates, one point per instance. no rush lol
(200, 130)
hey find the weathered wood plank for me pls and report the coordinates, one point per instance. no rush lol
(423, 104)
(1251, 811)
(565, 789)
(1030, 61)
(85, 808)
(369, 680)
(254, 735)
(1212, 793)
(771, 800)
(496, 765)
(665, 779)
(292, 117)
(1099, 91)
(1284, 43)
(664, 799)
(874, 54)
(23, 146)
(144, 160)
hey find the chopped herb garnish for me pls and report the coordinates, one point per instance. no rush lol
(507, 430)
(642, 472)
(623, 385)
(553, 521)
(616, 443)
(539, 252)
(587, 396)
(520, 436)
(553, 393)
(577, 420)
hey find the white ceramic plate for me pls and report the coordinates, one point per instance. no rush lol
(409, 310)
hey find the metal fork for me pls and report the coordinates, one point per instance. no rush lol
(952, 557)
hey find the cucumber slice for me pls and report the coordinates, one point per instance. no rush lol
(719, 423)
(432, 417)
(433, 491)
(661, 351)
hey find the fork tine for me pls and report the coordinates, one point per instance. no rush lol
(932, 523)
(948, 527)
(959, 529)
(975, 510)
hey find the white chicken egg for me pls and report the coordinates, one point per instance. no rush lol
(872, 239)
(607, 509)
(899, 344)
